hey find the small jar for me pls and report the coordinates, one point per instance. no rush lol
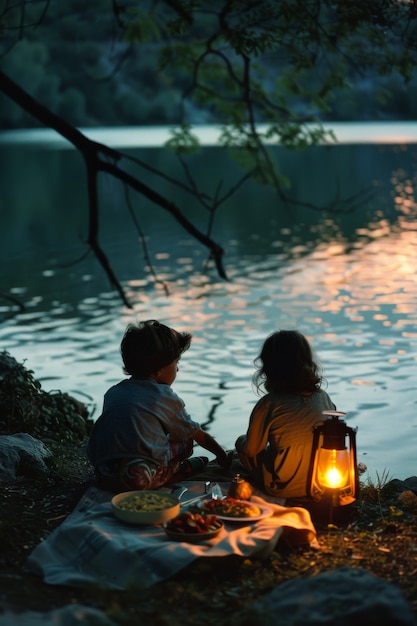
(239, 489)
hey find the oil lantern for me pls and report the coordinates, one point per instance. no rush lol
(333, 475)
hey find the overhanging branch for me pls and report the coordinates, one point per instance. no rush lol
(93, 153)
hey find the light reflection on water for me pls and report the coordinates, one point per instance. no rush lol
(348, 305)
(358, 309)
(355, 298)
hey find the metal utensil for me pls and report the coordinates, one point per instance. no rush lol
(193, 500)
(179, 491)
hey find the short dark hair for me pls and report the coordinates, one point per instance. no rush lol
(285, 364)
(148, 346)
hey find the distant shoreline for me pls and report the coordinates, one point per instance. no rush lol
(156, 136)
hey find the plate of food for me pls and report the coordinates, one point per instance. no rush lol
(233, 510)
(193, 527)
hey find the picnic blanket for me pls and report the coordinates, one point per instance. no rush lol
(92, 547)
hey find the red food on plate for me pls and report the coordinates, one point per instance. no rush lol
(190, 523)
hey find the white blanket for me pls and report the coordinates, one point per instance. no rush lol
(92, 546)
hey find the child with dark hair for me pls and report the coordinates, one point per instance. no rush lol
(277, 446)
(144, 437)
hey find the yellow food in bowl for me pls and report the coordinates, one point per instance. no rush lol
(145, 507)
(145, 502)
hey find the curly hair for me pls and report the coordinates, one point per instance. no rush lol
(286, 364)
(149, 346)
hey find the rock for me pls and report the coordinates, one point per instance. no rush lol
(21, 454)
(409, 484)
(407, 500)
(71, 615)
(341, 597)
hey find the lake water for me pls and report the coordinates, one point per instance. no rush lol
(348, 282)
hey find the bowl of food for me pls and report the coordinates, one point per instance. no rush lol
(145, 507)
(193, 527)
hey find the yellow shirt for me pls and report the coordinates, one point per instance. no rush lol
(277, 446)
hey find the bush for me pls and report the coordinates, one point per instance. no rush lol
(26, 407)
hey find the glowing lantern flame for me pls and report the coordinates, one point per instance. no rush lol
(333, 468)
(333, 478)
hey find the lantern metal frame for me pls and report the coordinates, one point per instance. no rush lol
(330, 436)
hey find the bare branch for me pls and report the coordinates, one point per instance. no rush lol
(91, 152)
(143, 241)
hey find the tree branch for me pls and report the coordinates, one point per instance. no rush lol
(91, 152)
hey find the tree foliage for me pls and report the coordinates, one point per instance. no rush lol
(169, 62)
(267, 73)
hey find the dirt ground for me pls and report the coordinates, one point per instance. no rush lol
(382, 539)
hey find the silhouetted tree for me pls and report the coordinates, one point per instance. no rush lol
(265, 72)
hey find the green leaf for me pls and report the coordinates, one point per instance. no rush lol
(183, 141)
(142, 28)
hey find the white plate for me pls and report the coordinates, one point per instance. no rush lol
(266, 511)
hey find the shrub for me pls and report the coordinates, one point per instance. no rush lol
(26, 407)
